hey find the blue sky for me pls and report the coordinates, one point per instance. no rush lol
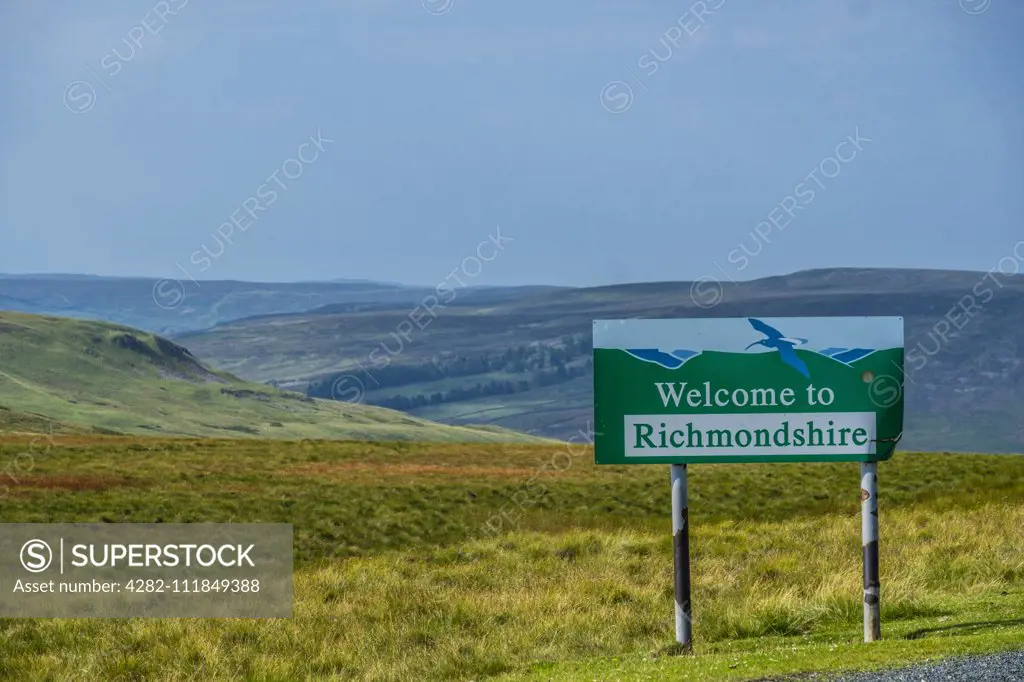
(131, 134)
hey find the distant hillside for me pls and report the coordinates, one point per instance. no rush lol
(524, 362)
(170, 306)
(72, 375)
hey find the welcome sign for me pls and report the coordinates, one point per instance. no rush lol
(747, 389)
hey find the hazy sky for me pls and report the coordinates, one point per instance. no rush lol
(610, 141)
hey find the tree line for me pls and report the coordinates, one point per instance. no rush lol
(538, 379)
(542, 364)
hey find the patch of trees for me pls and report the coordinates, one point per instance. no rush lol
(541, 363)
(538, 379)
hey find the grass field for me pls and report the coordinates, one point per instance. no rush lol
(445, 561)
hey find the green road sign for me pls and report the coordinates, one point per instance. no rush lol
(801, 389)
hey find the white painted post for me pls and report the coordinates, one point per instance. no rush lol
(681, 555)
(869, 535)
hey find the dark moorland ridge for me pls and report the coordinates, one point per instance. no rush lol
(520, 358)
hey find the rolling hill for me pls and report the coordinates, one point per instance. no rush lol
(524, 362)
(70, 375)
(170, 306)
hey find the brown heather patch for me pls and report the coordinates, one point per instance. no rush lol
(62, 482)
(349, 470)
(63, 440)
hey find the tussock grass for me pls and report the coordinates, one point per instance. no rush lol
(581, 588)
(499, 605)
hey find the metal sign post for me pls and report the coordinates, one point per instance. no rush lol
(869, 535)
(681, 552)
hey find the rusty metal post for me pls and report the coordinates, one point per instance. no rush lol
(681, 555)
(869, 535)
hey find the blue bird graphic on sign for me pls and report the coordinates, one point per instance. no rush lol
(776, 340)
